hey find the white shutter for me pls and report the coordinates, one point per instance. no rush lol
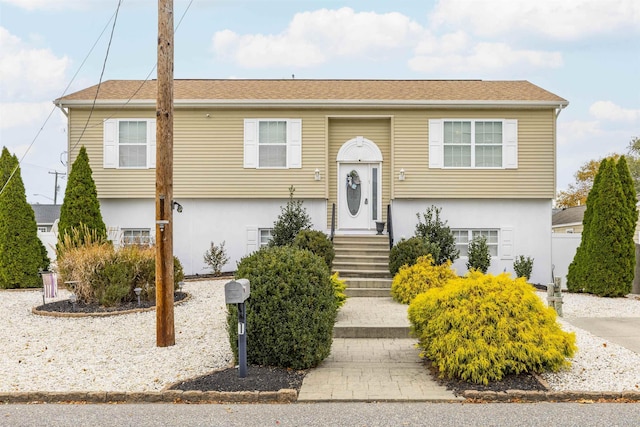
(151, 144)
(436, 155)
(110, 144)
(506, 243)
(250, 143)
(252, 239)
(510, 144)
(294, 143)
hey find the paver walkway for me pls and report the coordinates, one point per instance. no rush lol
(373, 369)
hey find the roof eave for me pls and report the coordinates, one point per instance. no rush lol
(315, 103)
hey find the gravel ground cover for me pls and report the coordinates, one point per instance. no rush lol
(119, 353)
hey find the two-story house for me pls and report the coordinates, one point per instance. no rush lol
(483, 151)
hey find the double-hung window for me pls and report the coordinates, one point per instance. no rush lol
(129, 143)
(272, 143)
(473, 143)
(464, 237)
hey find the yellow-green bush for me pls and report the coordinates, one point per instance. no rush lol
(482, 327)
(420, 277)
(339, 287)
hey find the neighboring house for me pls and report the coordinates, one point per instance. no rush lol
(568, 220)
(483, 151)
(46, 216)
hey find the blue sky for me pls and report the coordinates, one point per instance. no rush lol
(587, 51)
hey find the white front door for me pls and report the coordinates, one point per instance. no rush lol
(357, 203)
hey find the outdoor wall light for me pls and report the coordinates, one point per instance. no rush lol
(316, 174)
(162, 223)
(401, 177)
(137, 291)
(177, 206)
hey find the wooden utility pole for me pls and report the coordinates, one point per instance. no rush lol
(165, 330)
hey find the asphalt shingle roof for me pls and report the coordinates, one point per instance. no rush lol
(46, 214)
(323, 90)
(571, 215)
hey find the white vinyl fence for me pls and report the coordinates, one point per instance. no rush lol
(49, 240)
(563, 249)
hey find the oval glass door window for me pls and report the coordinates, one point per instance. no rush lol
(354, 193)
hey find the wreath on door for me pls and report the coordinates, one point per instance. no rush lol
(353, 179)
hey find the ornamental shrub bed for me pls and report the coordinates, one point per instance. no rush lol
(318, 243)
(420, 277)
(482, 327)
(107, 276)
(291, 310)
(406, 252)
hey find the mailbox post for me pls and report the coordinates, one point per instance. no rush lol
(237, 292)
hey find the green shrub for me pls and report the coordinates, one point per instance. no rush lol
(339, 287)
(436, 231)
(291, 310)
(292, 219)
(479, 256)
(318, 243)
(523, 266)
(418, 278)
(216, 257)
(406, 252)
(483, 327)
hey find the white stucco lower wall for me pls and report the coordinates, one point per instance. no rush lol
(528, 221)
(204, 221)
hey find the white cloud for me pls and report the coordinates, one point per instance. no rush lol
(19, 114)
(607, 110)
(453, 53)
(558, 19)
(28, 73)
(314, 37)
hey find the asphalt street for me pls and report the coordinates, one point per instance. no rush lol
(324, 414)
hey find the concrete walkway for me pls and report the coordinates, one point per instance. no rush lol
(624, 331)
(380, 364)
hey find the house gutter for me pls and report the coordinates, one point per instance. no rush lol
(560, 108)
(58, 104)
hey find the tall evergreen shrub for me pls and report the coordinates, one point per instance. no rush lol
(81, 205)
(630, 197)
(576, 276)
(22, 254)
(479, 255)
(292, 219)
(434, 230)
(610, 243)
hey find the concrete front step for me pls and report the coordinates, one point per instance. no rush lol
(367, 292)
(372, 318)
(353, 265)
(372, 282)
(361, 257)
(357, 273)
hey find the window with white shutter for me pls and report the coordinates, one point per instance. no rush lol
(129, 144)
(272, 143)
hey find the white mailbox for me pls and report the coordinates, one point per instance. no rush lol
(236, 291)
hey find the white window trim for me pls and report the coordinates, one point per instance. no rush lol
(505, 240)
(111, 146)
(251, 143)
(509, 143)
(124, 237)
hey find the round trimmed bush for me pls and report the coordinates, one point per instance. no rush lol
(291, 310)
(318, 243)
(406, 252)
(483, 327)
(418, 278)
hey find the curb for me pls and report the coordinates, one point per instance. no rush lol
(551, 396)
(169, 396)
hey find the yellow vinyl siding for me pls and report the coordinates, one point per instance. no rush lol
(342, 130)
(208, 157)
(534, 177)
(208, 154)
